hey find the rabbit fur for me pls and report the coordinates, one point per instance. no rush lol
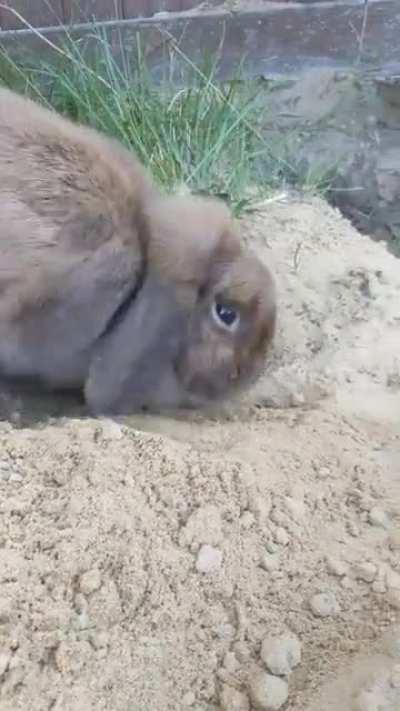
(109, 286)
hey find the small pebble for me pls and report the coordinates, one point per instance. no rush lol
(281, 654)
(5, 610)
(231, 663)
(189, 699)
(225, 631)
(83, 621)
(392, 579)
(111, 430)
(393, 598)
(395, 677)
(392, 641)
(365, 571)
(247, 520)
(353, 530)
(281, 536)
(271, 547)
(203, 527)
(233, 700)
(379, 587)
(297, 399)
(365, 503)
(242, 652)
(323, 473)
(268, 693)
(394, 540)
(324, 605)
(81, 603)
(90, 582)
(15, 662)
(379, 518)
(226, 588)
(295, 508)
(5, 473)
(99, 640)
(16, 478)
(336, 567)
(209, 559)
(269, 561)
(5, 659)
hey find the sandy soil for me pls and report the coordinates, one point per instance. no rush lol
(158, 564)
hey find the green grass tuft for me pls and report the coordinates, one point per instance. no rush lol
(207, 137)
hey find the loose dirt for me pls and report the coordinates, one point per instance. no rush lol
(238, 558)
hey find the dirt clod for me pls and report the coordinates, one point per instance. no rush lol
(324, 605)
(209, 559)
(365, 571)
(281, 654)
(378, 517)
(90, 582)
(268, 693)
(233, 700)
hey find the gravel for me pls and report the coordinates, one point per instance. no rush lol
(379, 518)
(267, 692)
(281, 654)
(209, 559)
(324, 605)
(366, 572)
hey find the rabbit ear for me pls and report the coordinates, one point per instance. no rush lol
(56, 305)
(132, 367)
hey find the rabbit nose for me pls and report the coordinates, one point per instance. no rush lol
(205, 386)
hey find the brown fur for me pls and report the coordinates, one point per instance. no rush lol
(81, 224)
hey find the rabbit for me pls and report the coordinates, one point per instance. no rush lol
(141, 300)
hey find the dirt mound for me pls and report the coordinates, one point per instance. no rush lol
(228, 561)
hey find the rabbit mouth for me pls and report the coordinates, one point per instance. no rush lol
(203, 389)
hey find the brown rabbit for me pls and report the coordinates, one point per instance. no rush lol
(142, 300)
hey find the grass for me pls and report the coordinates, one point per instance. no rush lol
(207, 136)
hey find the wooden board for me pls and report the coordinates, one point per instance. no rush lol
(283, 40)
(38, 13)
(87, 10)
(45, 13)
(147, 8)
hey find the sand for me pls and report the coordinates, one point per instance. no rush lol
(144, 561)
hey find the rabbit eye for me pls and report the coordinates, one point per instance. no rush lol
(225, 315)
